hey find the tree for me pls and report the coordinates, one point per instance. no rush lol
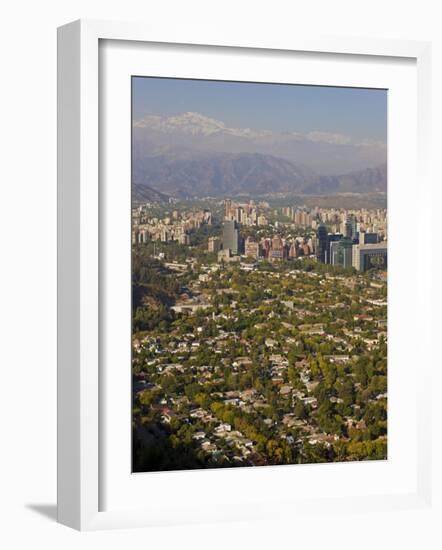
(300, 410)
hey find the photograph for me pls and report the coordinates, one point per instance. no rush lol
(259, 265)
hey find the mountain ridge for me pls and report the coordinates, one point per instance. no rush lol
(251, 174)
(145, 193)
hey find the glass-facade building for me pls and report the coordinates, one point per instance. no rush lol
(321, 249)
(231, 236)
(342, 253)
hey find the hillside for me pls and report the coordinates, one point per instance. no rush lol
(144, 193)
(219, 175)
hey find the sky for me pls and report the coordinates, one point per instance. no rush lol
(356, 112)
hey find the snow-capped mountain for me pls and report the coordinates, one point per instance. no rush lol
(190, 134)
(198, 124)
(194, 124)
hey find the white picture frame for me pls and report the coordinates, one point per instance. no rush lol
(79, 269)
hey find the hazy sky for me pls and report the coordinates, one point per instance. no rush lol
(356, 112)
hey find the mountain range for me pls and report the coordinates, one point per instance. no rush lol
(190, 155)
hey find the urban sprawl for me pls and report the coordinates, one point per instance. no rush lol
(259, 334)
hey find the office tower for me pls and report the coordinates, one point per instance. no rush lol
(321, 247)
(354, 226)
(331, 238)
(239, 214)
(333, 250)
(241, 241)
(342, 253)
(231, 236)
(348, 229)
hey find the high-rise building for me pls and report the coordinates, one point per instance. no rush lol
(350, 227)
(332, 238)
(341, 252)
(277, 250)
(321, 247)
(333, 249)
(239, 214)
(231, 236)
